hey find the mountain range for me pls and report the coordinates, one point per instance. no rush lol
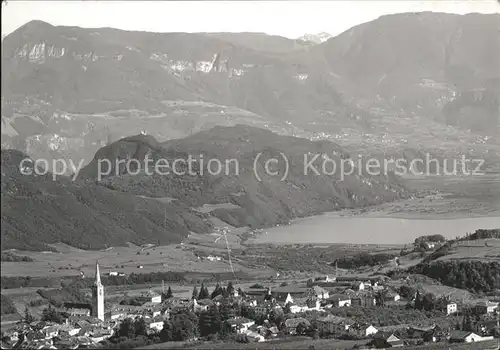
(429, 81)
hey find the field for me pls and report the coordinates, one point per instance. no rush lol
(482, 249)
(295, 343)
(290, 343)
(70, 261)
(445, 197)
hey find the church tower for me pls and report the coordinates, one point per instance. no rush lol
(98, 296)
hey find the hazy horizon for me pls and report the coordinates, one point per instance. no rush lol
(290, 19)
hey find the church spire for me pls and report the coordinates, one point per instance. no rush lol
(98, 295)
(97, 274)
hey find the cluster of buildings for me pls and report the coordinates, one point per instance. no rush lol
(85, 325)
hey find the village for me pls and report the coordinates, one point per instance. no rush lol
(327, 307)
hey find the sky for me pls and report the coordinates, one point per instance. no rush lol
(286, 18)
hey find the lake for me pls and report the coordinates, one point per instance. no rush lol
(331, 228)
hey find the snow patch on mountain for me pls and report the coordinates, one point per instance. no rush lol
(301, 77)
(316, 38)
(37, 53)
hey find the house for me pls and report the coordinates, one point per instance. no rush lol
(369, 330)
(318, 292)
(263, 308)
(358, 286)
(240, 324)
(392, 296)
(202, 305)
(254, 336)
(427, 333)
(362, 330)
(271, 332)
(305, 304)
(218, 299)
(332, 325)
(363, 300)
(465, 337)
(151, 296)
(429, 245)
(155, 324)
(259, 295)
(325, 279)
(123, 311)
(78, 309)
(152, 309)
(292, 323)
(383, 340)
(67, 329)
(486, 307)
(340, 300)
(98, 335)
(50, 331)
(284, 298)
(214, 258)
(451, 308)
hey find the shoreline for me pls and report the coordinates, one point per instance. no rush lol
(376, 222)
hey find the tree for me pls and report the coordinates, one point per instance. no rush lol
(418, 301)
(407, 292)
(169, 293)
(287, 309)
(203, 292)
(166, 334)
(127, 329)
(210, 322)
(226, 311)
(467, 323)
(28, 317)
(276, 316)
(140, 327)
(194, 295)
(183, 327)
(230, 288)
(301, 328)
(217, 291)
(8, 306)
(380, 298)
(51, 315)
(428, 302)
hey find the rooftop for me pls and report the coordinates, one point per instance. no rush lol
(459, 334)
(339, 297)
(332, 319)
(239, 321)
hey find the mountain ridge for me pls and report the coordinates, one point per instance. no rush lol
(70, 89)
(91, 213)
